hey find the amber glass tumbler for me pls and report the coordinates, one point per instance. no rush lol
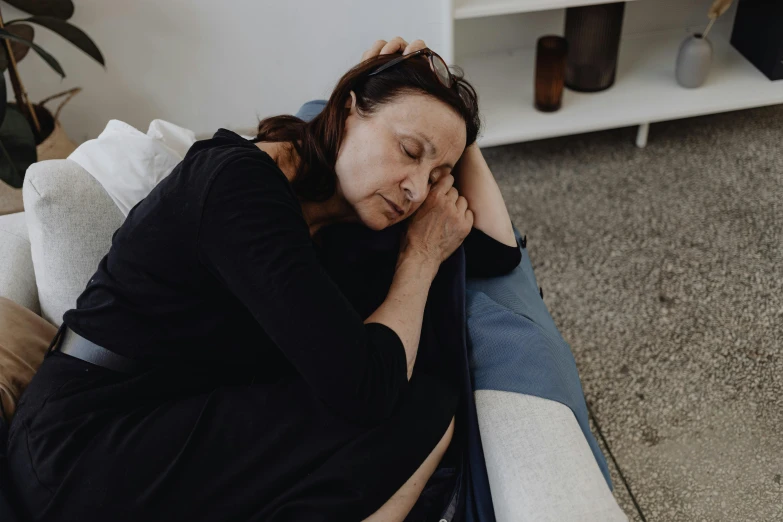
(551, 53)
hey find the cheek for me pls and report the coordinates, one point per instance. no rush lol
(364, 167)
(349, 167)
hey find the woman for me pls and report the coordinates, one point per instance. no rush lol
(248, 386)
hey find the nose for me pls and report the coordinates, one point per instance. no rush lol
(415, 187)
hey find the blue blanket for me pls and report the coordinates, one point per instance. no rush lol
(514, 345)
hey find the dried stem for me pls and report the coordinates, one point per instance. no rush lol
(717, 9)
(709, 26)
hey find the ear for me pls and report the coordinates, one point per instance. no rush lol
(351, 102)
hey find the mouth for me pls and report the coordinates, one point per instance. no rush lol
(397, 210)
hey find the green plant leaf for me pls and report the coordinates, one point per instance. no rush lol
(48, 58)
(20, 50)
(17, 147)
(68, 31)
(62, 9)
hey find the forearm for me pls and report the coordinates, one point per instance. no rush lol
(475, 182)
(403, 309)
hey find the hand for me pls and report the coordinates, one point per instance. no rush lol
(395, 45)
(440, 224)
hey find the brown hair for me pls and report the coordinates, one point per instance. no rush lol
(317, 142)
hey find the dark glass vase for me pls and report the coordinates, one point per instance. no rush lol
(593, 34)
(551, 54)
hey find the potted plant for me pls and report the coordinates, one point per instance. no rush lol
(27, 129)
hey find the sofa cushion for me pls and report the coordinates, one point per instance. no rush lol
(17, 278)
(24, 338)
(70, 220)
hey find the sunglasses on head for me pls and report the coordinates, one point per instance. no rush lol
(437, 64)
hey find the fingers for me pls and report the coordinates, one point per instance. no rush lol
(469, 218)
(395, 45)
(414, 46)
(462, 204)
(452, 195)
(443, 184)
(373, 51)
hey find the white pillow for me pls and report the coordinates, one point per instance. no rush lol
(175, 137)
(128, 163)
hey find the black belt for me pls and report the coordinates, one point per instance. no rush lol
(70, 343)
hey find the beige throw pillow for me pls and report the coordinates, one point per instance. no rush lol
(24, 338)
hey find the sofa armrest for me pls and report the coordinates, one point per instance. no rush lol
(539, 464)
(70, 220)
(17, 277)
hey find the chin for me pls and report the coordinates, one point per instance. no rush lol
(378, 224)
(378, 221)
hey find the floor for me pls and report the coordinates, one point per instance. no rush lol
(663, 268)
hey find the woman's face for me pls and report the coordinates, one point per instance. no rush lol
(389, 159)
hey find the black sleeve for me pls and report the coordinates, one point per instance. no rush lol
(488, 257)
(255, 240)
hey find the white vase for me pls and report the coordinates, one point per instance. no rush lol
(694, 61)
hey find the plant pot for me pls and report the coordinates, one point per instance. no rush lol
(10, 199)
(56, 144)
(694, 61)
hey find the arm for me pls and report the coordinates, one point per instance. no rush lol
(488, 257)
(255, 241)
(403, 309)
(475, 182)
(433, 233)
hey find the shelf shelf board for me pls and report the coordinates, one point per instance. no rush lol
(645, 91)
(478, 8)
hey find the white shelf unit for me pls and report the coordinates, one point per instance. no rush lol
(645, 90)
(476, 8)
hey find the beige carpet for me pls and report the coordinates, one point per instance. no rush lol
(663, 267)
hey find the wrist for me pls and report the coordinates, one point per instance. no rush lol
(419, 262)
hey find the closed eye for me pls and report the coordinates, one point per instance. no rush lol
(407, 152)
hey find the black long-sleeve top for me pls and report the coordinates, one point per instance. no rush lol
(217, 264)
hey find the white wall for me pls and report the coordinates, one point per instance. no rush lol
(205, 64)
